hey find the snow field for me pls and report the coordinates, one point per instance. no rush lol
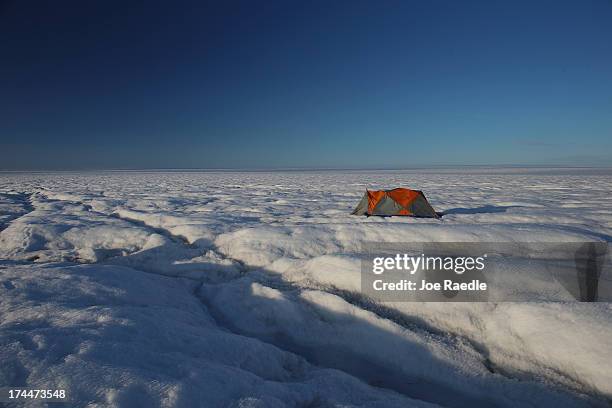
(242, 289)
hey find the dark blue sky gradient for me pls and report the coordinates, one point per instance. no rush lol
(118, 84)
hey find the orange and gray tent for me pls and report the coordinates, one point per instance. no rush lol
(399, 201)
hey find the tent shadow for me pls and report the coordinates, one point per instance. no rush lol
(485, 209)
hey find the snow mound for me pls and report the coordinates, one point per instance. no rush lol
(119, 337)
(333, 333)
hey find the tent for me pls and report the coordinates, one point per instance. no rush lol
(399, 201)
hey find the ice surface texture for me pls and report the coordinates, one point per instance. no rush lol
(177, 289)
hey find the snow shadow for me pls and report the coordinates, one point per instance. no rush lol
(319, 348)
(310, 323)
(19, 200)
(180, 260)
(485, 209)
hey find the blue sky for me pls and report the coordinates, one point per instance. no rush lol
(304, 84)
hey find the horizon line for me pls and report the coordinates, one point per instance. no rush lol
(271, 169)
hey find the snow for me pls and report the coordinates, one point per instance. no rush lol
(242, 289)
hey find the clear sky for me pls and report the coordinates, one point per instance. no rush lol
(272, 84)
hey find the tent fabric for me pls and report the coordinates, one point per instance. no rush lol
(386, 205)
(374, 197)
(362, 207)
(399, 201)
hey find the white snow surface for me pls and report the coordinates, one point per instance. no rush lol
(242, 289)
